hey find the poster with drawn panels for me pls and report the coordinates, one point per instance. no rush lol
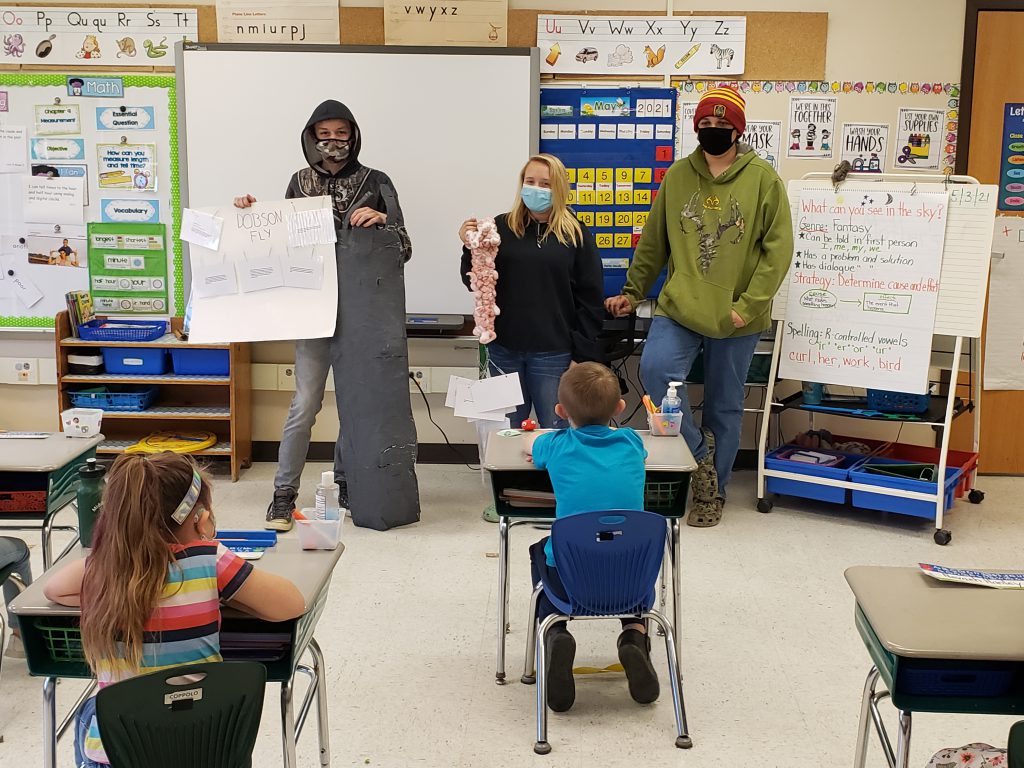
(79, 149)
(616, 144)
(812, 126)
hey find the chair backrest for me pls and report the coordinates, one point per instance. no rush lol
(609, 561)
(161, 720)
(1015, 749)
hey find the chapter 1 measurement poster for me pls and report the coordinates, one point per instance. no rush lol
(863, 288)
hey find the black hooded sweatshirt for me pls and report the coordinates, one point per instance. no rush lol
(354, 186)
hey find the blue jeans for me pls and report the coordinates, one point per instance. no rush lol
(668, 356)
(85, 716)
(14, 552)
(313, 358)
(539, 374)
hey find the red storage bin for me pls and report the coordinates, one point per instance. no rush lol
(965, 461)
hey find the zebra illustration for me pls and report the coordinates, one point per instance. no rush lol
(722, 55)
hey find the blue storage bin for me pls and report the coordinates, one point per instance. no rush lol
(807, 490)
(121, 399)
(201, 362)
(122, 330)
(144, 361)
(901, 506)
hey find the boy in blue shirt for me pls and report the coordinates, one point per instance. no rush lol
(593, 468)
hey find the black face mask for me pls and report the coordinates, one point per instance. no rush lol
(715, 141)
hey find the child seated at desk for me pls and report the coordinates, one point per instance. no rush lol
(593, 468)
(157, 532)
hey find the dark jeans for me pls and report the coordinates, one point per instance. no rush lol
(14, 552)
(541, 571)
(539, 374)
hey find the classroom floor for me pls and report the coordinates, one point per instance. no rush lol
(772, 663)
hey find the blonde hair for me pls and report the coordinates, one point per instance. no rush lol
(562, 223)
(129, 566)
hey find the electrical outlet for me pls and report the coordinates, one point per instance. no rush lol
(286, 378)
(17, 370)
(421, 377)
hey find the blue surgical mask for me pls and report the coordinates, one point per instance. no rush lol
(537, 199)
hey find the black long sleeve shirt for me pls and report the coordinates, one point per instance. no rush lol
(551, 296)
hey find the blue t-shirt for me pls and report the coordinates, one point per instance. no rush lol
(592, 469)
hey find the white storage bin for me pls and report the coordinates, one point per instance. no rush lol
(81, 422)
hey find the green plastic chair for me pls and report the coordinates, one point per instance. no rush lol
(162, 720)
(1015, 749)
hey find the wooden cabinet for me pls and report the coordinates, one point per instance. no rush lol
(218, 404)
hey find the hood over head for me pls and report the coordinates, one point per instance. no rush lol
(330, 110)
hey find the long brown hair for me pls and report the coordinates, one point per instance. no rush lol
(128, 567)
(562, 223)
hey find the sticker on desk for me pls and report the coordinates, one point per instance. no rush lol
(993, 579)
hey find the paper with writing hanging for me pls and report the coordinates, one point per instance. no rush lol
(53, 201)
(13, 149)
(260, 273)
(201, 228)
(303, 268)
(311, 227)
(212, 277)
(19, 283)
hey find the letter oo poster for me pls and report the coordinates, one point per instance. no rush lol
(863, 288)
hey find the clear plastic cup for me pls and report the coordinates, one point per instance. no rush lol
(665, 424)
(319, 534)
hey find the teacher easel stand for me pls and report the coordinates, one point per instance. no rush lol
(959, 313)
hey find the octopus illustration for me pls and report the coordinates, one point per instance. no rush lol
(14, 45)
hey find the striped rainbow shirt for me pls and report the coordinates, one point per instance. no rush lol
(185, 627)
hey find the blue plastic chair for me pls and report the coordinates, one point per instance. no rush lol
(609, 564)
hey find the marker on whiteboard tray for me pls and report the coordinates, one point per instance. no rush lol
(689, 55)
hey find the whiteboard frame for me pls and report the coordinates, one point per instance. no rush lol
(181, 48)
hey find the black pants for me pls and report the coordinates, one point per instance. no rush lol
(541, 571)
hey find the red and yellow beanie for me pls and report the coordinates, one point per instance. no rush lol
(722, 102)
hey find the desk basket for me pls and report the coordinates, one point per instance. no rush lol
(64, 643)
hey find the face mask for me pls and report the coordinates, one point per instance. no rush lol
(333, 149)
(537, 199)
(715, 141)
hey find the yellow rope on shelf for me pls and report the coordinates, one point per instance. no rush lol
(175, 442)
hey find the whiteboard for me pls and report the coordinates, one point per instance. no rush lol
(452, 127)
(966, 255)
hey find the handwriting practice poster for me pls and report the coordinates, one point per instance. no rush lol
(863, 288)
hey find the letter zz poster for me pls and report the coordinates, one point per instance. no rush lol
(863, 288)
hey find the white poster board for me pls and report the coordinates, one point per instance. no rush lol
(864, 286)
(256, 286)
(1004, 338)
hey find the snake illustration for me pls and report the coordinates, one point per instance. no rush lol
(155, 51)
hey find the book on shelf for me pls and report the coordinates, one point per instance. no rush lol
(80, 309)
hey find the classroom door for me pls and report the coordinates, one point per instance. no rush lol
(998, 79)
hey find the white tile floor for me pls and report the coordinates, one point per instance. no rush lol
(772, 663)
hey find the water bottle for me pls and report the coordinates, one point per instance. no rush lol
(671, 402)
(90, 491)
(327, 505)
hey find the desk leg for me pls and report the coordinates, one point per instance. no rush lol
(323, 726)
(50, 722)
(47, 533)
(503, 526)
(675, 552)
(903, 742)
(288, 724)
(864, 730)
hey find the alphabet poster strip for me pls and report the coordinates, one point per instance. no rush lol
(439, 22)
(298, 21)
(865, 146)
(863, 288)
(640, 45)
(919, 141)
(812, 126)
(85, 36)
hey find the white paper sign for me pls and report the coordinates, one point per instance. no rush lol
(304, 269)
(13, 149)
(865, 146)
(53, 201)
(863, 289)
(1004, 340)
(18, 282)
(765, 138)
(627, 131)
(686, 135)
(315, 227)
(498, 392)
(200, 228)
(260, 273)
(812, 126)
(642, 45)
(58, 120)
(919, 142)
(587, 131)
(212, 279)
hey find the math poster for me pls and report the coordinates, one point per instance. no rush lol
(919, 144)
(765, 138)
(865, 146)
(863, 288)
(642, 45)
(127, 166)
(1004, 336)
(812, 127)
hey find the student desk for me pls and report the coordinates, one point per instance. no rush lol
(938, 647)
(47, 466)
(53, 644)
(669, 464)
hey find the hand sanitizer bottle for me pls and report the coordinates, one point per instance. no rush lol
(327, 505)
(671, 402)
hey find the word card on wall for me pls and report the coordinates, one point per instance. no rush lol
(617, 144)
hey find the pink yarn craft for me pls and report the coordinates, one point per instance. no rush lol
(483, 278)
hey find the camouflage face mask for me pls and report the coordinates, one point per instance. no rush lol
(332, 149)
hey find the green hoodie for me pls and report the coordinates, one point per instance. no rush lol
(728, 242)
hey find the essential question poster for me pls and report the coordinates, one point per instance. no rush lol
(863, 288)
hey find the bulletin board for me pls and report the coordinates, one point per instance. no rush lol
(34, 248)
(616, 144)
(856, 102)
